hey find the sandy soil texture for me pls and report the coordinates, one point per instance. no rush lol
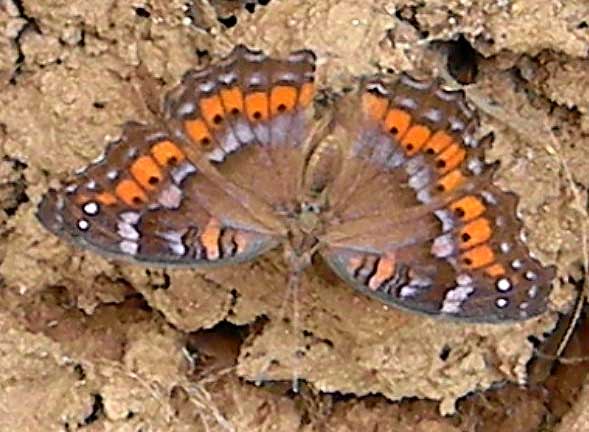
(96, 345)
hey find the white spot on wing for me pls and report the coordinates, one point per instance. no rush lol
(180, 172)
(91, 208)
(170, 197)
(83, 225)
(129, 247)
(454, 298)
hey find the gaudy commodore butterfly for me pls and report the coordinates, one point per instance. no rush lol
(388, 185)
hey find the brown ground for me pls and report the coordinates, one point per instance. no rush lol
(88, 344)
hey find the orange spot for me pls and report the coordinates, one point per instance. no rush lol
(468, 208)
(397, 122)
(450, 158)
(414, 139)
(198, 131)
(476, 232)
(232, 99)
(212, 110)
(450, 181)
(495, 270)
(438, 142)
(241, 241)
(282, 98)
(478, 257)
(167, 153)
(384, 270)
(374, 106)
(146, 172)
(130, 192)
(306, 94)
(210, 239)
(256, 106)
(353, 264)
(106, 198)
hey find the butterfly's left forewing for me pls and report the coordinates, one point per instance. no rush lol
(419, 223)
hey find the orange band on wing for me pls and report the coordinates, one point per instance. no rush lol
(199, 132)
(232, 99)
(415, 138)
(167, 153)
(374, 106)
(130, 192)
(256, 106)
(147, 172)
(282, 98)
(210, 239)
(306, 94)
(475, 233)
(397, 122)
(385, 269)
(212, 110)
(478, 257)
(468, 208)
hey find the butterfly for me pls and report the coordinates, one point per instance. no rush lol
(387, 184)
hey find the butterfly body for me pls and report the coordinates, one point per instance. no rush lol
(388, 186)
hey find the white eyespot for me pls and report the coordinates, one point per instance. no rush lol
(501, 302)
(504, 285)
(523, 236)
(83, 225)
(505, 247)
(533, 291)
(70, 189)
(91, 208)
(91, 185)
(516, 264)
(523, 305)
(530, 275)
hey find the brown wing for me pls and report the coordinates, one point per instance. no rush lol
(204, 187)
(416, 221)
